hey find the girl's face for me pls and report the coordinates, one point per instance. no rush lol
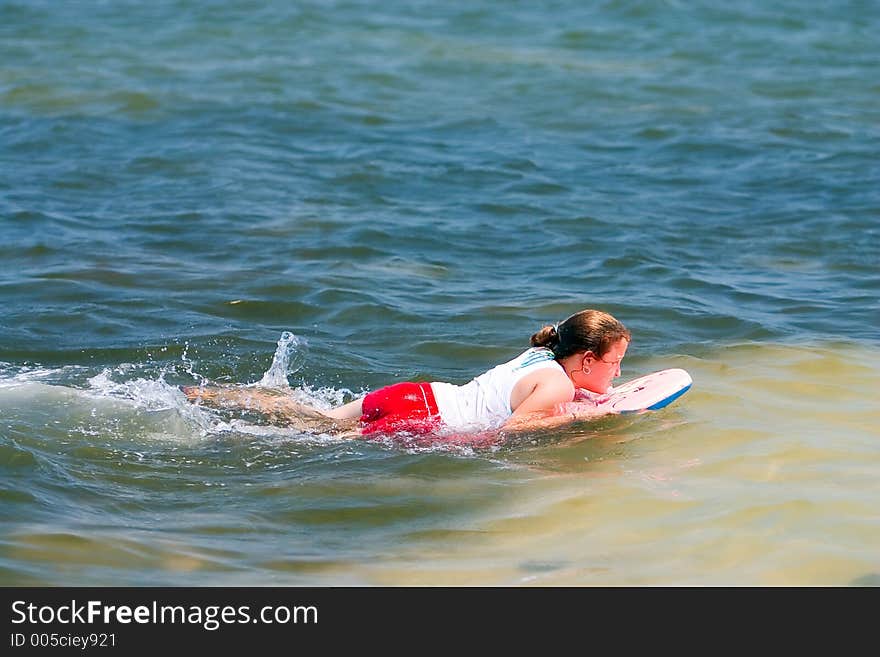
(602, 371)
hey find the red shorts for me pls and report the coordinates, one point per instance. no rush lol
(409, 407)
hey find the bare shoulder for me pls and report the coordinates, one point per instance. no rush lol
(551, 378)
(542, 388)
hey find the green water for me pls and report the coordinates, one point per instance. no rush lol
(412, 190)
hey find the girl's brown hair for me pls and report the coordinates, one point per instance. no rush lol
(588, 330)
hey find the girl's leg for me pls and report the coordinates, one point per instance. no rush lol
(350, 411)
(279, 407)
(253, 399)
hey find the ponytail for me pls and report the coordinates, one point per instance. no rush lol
(546, 337)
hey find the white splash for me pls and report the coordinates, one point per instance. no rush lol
(289, 357)
(152, 396)
(118, 402)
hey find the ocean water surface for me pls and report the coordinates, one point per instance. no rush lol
(338, 195)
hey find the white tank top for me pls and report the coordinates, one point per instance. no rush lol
(484, 402)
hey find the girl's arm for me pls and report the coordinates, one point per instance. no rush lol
(547, 402)
(559, 415)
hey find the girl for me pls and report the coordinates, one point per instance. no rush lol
(579, 357)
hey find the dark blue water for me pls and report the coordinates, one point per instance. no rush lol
(412, 189)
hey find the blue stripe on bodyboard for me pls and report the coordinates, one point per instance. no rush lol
(663, 402)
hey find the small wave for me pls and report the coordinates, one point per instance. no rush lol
(18, 375)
